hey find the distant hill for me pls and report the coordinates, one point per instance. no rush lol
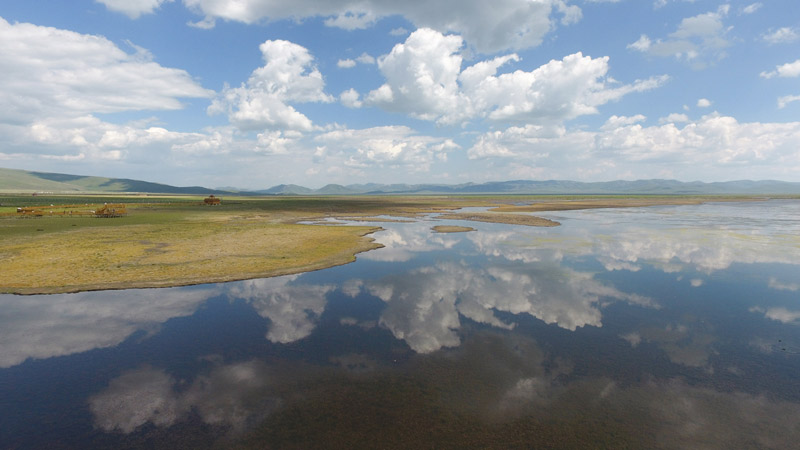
(653, 187)
(21, 180)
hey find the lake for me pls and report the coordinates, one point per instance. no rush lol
(658, 327)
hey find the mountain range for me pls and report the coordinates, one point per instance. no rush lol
(27, 181)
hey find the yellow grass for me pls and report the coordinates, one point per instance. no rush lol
(114, 257)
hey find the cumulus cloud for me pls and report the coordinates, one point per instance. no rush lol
(56, 73)
(674, 118)
(57, 81)
(424, 79)
(289, 75)
(501, 25)
(703, 103)
(365, 58)
(133, 8)
(698, 40)
(696, 148)
(788, 70)
(350, 98)
(389, 146)
(615, 122)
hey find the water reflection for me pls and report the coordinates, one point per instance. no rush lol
(44, 326)
(424, 305)
(234, 395)
(669, 327)
(291, 309)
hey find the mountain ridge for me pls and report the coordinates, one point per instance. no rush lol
(21, 180)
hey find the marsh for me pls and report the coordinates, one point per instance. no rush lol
(672, 326)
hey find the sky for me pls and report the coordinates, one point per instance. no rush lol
(254, 93)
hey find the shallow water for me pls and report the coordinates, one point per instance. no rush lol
(658, 327)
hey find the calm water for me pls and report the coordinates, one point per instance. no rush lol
(661, 327)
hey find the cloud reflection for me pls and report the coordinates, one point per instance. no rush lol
(292, 309)
(236, 395)
(402, 241)
(706, 238)
(44, 326)
(425, 306)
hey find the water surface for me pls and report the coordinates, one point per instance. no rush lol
(658, 327)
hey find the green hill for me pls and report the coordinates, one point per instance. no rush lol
(25, 181)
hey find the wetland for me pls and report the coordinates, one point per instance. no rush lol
(671, 324)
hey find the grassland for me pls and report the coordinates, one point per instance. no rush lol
(176, 240)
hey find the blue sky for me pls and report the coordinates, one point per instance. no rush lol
(254, 93)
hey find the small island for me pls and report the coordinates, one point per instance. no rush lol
(451, 229)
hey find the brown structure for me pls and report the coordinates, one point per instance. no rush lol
(212, 201)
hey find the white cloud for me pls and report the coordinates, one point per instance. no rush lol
(642, 44)
(782, 35)
(661, 3)
(703, 103)
(133, 8)
(699, 40)
(785, 100)
(350, 98)
(501, 25)
(424, 79)
(751, 8)
(366, 59)
(674, 118)
(289, 75)
(614, 122)
(386, 147)
(57, 81)
(398, 31)
(54, 73)
(788, 70)
(712, 144)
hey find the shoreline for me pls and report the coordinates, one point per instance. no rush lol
(161, 247)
